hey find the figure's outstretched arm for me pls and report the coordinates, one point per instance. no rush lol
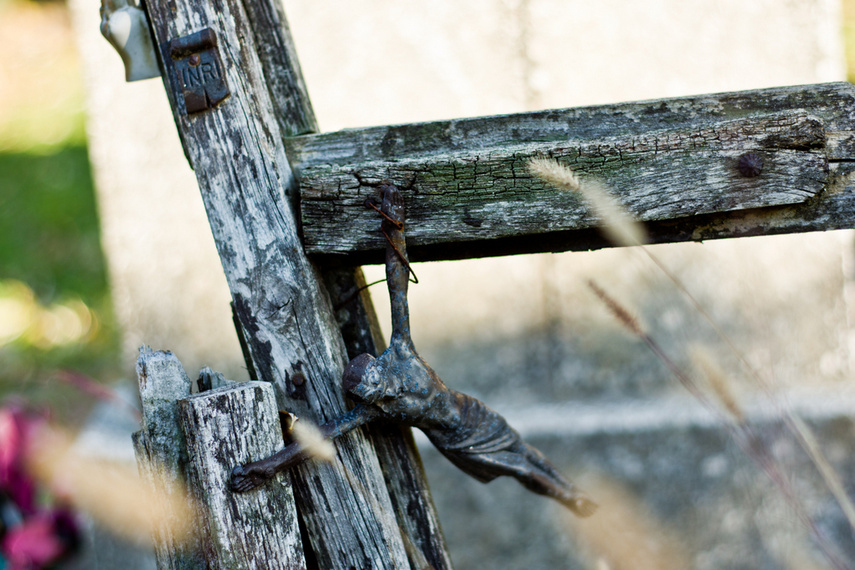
(251, 475)
(358, 416)
(397, 269)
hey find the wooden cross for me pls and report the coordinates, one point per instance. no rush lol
(675, 163)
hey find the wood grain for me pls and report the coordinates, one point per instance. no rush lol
(396, 451)
(237, 152)
(231, 426)
(162, 456)
(469, 193)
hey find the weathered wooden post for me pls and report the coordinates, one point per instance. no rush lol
(221, 63)
(402, 469)
(162, 455)
(186, 449)
(245, 530)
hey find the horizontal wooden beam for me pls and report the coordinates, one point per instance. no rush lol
(672, 162)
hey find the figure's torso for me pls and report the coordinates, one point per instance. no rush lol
(415, 395)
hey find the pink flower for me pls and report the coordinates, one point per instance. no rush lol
(32, 537)
(16, 427)
(33, 544)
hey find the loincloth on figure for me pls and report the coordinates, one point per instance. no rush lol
(483, 444)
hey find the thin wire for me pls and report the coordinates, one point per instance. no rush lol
(412, 277)
(403, 259)
(355, 293)
(398, 224)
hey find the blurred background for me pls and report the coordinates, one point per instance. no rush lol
(104, 246)
(55, 305)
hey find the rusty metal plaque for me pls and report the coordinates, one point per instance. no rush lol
(199, 75)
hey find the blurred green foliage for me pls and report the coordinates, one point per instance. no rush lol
(55, 309)
(49, 236)
(49, 245)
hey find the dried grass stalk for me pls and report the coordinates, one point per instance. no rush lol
(618, 225)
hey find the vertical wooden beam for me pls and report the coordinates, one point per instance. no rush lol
(396, 450)
(238, 154)
(282, 72)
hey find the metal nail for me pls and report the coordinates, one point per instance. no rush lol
(750, 164)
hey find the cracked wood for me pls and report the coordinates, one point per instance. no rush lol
(285, 313)
(396, 451)
(671, 162)
(228, 426)
(395, 448)
(162, 458)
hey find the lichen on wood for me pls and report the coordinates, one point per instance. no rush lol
(162, 457)
(469, 193)
(229, 426)
(285, 314)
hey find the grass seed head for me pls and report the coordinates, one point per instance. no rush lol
(618, 225)
(620, 312)
(718, 381)
(311, 439)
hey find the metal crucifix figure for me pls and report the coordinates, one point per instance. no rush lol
(398, 386)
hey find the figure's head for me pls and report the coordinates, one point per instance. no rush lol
(361, 380)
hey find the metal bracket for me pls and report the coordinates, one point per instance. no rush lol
(126, 27)
(199, 75)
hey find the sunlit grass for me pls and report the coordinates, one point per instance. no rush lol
(41, 87)
(23, 319)
(616, 223)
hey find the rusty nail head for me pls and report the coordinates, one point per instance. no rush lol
(298, 379)
(750, 164)
(194, 60)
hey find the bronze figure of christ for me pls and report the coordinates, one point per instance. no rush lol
(398, 386)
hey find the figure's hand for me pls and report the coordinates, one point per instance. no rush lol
(247, 477)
